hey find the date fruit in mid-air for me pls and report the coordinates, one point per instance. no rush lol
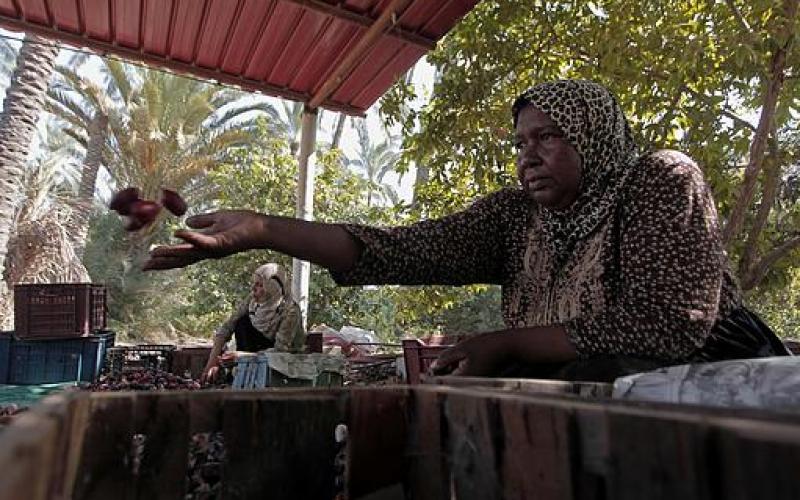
(138, 213)
(121, 202)
(173, 202)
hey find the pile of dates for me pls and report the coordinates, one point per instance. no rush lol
(142, 380)
(381, 373)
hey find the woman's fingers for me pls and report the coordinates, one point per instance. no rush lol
(202, 221)
(199, 240)
(171, 258)
(172, 250)
(162, 263)
(461, 368)
(448, 361)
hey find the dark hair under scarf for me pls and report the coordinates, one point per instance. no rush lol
(593, 122)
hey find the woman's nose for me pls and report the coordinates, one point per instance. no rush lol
(529, 159)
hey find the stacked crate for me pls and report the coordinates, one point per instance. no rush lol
(59, 334)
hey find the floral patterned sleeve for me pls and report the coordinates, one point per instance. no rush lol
(670, 267)
(466, 247)
(288, 330)
(226, 328)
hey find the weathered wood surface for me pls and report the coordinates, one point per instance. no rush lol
(424, 442)
(281, 445)
(376, 427)
(523, 385)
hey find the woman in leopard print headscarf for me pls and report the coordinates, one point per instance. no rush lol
(610, 260)
(593, 123)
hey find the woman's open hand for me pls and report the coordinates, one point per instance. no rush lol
(217, 235)
(477, 356)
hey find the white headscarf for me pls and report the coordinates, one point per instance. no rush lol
(266, 315)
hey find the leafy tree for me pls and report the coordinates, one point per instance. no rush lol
(689, 75)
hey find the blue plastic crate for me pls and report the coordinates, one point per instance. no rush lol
(51, 361)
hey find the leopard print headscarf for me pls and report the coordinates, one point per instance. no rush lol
(593, 122)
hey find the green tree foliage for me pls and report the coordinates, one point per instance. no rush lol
(374, 160)
(164, 131)
(692, 75)
(263, 178)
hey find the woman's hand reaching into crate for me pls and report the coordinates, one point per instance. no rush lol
(483, 355)
(477, 356)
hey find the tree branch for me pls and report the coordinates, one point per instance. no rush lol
(774, 85)
(769, 192)
(759, 271)
(738, 16)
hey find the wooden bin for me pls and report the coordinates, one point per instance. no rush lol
(421, 442)
(190, 360)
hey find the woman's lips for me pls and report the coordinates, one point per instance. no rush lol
(537, 183)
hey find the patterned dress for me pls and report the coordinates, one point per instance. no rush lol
(635, 267)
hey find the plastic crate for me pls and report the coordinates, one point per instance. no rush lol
(255, 372)
(137, 357)
(50, 361)
(57, 310)
(418, 358)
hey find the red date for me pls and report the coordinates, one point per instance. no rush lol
(122, 201)
(173, 202)
(138, 213)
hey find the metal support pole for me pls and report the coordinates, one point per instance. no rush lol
(301, 270)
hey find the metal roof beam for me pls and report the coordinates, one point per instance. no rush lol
(380, 26)
(354, 17)
(190, 70)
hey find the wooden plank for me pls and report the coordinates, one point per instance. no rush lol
(61, 408)
(658, 457)
(29, 448)
(536, 450)
(532, 386)
(759, 461)
(376, 453)
(591, 466)
(281, 443)
(78, 408)
(162, 470)
(104, 470)
(428, 471)
(474, 441)
(205, 411)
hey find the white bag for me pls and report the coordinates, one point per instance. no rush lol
(772, 383)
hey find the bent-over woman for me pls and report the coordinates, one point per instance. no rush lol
(268, 319)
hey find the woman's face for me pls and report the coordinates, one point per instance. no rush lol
(258, 290)
(548, 166)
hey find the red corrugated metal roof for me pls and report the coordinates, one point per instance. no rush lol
(340, 55)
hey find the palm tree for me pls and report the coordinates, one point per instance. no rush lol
(39, 249)
(23, 103)
(151, 129)
(375, 160)
(169, 130)
(83, 106)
